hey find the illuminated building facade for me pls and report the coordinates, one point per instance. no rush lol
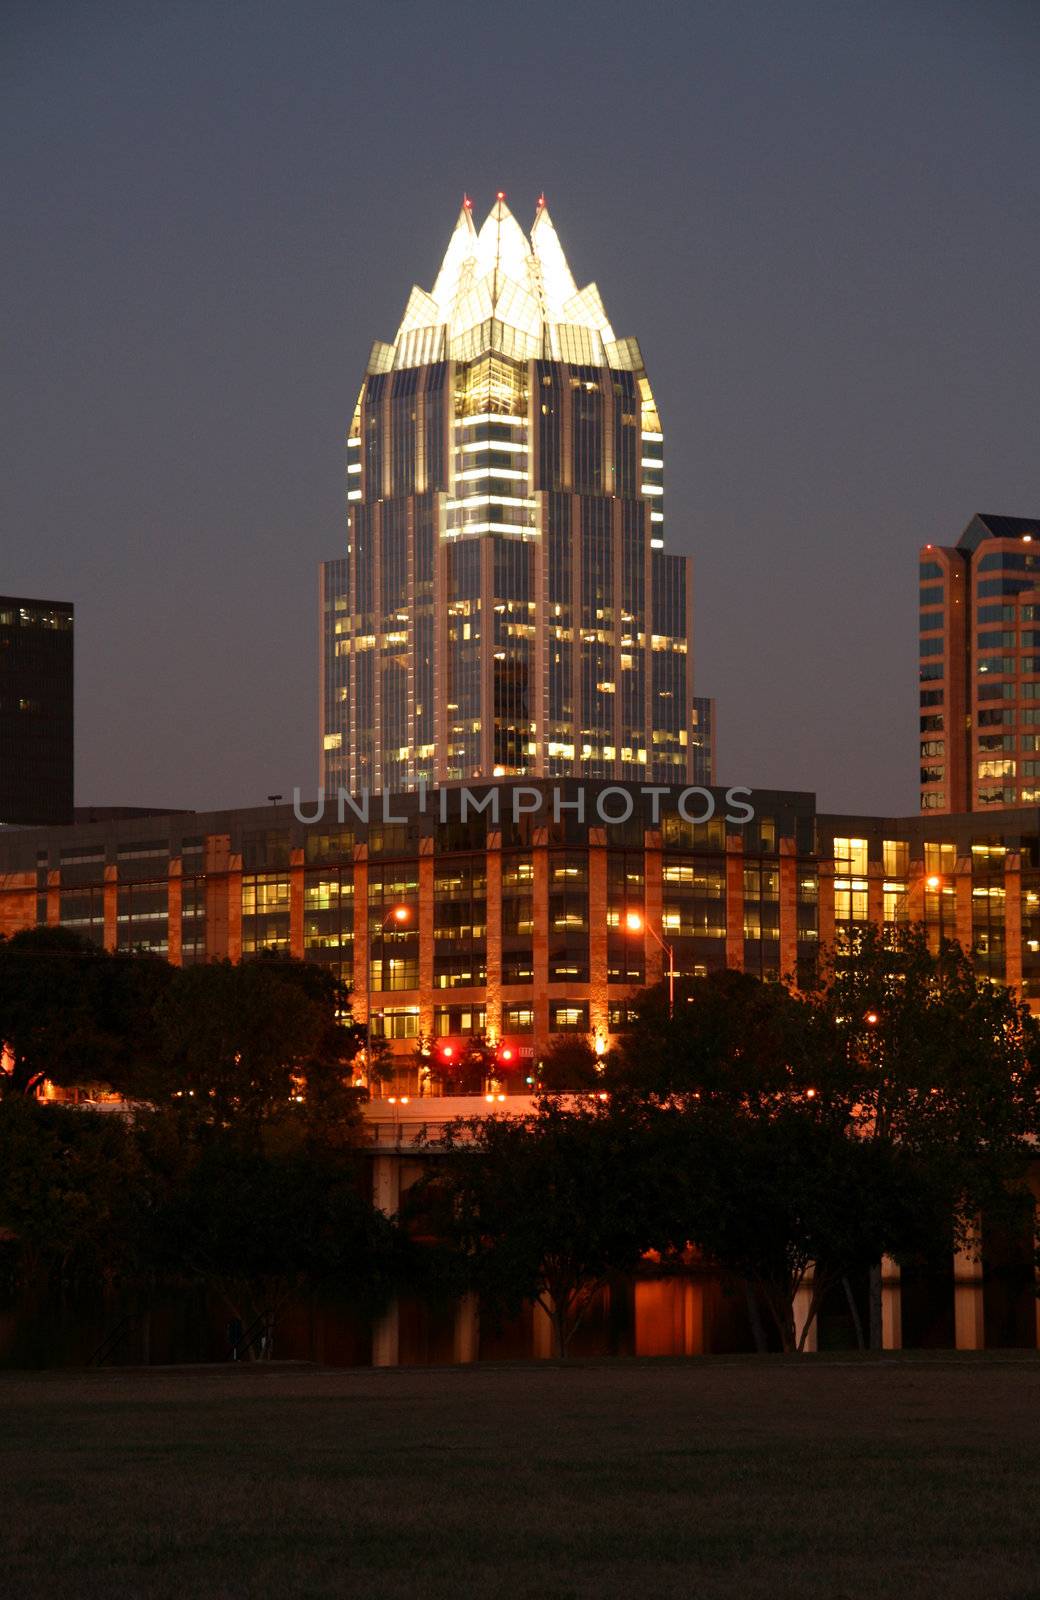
(979, 651)
(518, 924)
(508, 607)
(36, 711)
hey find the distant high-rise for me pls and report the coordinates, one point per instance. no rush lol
(980, 667)
(506, 605)
(36, 755)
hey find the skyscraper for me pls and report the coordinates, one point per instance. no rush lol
(36, 753)
(980, 667)
(508, 606)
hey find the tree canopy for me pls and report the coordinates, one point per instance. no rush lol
(543, 1208)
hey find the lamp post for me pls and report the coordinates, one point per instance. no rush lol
(400, 916)
(635, 922)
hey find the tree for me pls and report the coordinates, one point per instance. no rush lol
(909, 1081)
(75, 1194)
(260, 1227)
(924, 1056)
(543, 1208)
(75, 1014)
(571, 1063)
(786, 1198)
(245, 1046)
(731, 1036)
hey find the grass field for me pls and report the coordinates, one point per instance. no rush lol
(751, 1477)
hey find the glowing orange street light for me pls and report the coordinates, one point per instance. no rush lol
(635, 922)
(871, 1018)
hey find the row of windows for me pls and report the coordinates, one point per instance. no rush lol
(1009, 691)
(1000, 664)
(1029, 639)
(1007, 613)
(1006, 769)
(1008, 561)
(1006, 741)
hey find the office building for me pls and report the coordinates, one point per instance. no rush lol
(506, 605)
(979, 643)
(36, 711)
(517, 915)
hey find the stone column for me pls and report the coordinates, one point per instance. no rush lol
(969, 1311)
(540, 940)
(217, 856)
(466, 1347)
(598, 1010)
(174, 907)
(53, 898)
(386, 1337)
(386, 1183)
(1013, 922)
(493, 870)
(788, 909)
(891, 1306)
(653, 905)
(735, 902)
(234, 908)
(359, 991)
(111, 906)
(296, 904)
(426, 942)
(17, 902)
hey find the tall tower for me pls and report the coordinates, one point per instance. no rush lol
(979, 650)
(509, 605)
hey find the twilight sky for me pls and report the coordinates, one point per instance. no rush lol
(821, 220)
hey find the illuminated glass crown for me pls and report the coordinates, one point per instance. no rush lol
(499, 291)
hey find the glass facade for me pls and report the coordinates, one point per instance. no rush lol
(506, 607)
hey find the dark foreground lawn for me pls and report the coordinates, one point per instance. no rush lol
(749, 1478)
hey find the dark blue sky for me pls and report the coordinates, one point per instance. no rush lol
(822, 222)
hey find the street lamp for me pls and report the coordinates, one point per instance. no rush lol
(399, 916)
(635, 922)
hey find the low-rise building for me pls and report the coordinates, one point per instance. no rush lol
(506, 910)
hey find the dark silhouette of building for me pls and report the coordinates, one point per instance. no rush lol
(36, 717)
